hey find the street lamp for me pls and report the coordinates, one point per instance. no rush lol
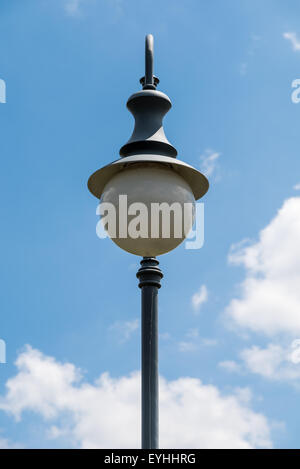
(148, 177)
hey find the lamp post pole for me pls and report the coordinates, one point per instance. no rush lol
(149, 276)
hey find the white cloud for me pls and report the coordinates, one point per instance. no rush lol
(124, 329)
(7, 444)
(209, 162)
(188, 346)
(193, 341)
(209, 342)
(274, 362)
(230, 365)
(264, 361)
(165, 336)
(297, 187)
(106, 414)
(253, 45)
(75, 7)
(199, 298)
(72, 7)
(4, 444)
(243, 68)
(294, 353)
(117, 6)
(244, 395)
(270, 295)
(269, 301)
(193, 333)
(255, 37)
(292, 37)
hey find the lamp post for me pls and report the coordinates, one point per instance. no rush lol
(148, 173)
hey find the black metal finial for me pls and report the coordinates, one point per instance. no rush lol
(149, 81)
(148, 106)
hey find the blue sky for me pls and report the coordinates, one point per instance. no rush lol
(69, 67)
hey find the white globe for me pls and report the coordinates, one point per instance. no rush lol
(147, 209)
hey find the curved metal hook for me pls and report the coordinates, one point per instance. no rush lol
(149, 59)
(149, 81)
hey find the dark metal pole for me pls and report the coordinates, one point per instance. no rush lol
(149, 276)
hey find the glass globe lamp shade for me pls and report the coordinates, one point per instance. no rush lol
(147, 209)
